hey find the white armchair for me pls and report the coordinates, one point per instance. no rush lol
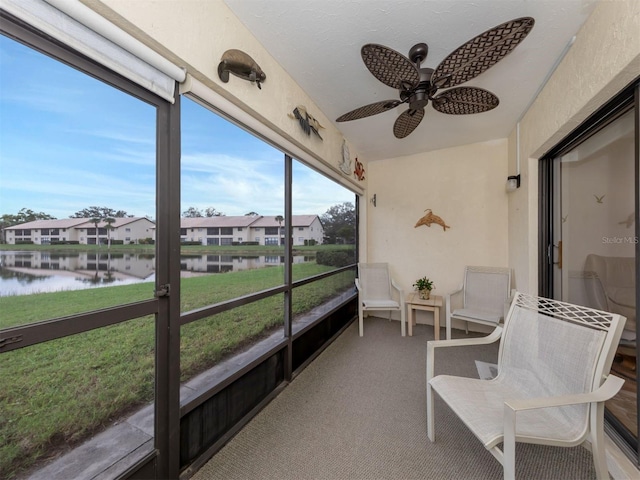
(553, 379)
(376, 292)
(481, 298)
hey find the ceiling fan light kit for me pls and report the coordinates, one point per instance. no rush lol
(418, 86)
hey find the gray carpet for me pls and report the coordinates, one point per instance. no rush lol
(358, 412)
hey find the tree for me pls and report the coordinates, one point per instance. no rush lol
(212, 212)
(339, 223)
(100, 212)
(109, 221)
(96, 221)
(192, 212)
(252, 214)
(279, 219)
(23, 216)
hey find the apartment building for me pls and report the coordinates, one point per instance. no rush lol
(261, 229)
(81, 230)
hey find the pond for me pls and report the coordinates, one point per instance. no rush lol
(29, 272)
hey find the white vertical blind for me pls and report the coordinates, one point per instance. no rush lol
(82, 29)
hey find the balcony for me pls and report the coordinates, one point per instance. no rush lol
(356, 411)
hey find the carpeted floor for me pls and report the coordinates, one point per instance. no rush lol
(358, 412)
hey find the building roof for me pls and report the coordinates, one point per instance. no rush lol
(244, 221)
(58, 223)
(119, 222)
(72, 223)
(197, 222)
(296, 221)
(218, 221)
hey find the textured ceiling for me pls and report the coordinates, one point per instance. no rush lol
(318, 43)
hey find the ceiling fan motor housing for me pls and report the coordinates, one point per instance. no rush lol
(418, 97)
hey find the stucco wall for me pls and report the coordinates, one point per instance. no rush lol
(463, 185)
(603, 60)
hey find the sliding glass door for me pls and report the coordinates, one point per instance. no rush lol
(590, 197)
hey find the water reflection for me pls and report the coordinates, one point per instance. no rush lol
(24, 273)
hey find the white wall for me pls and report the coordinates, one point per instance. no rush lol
(465, 186)
(603, 60)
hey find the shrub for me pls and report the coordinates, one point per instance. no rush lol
(335, 258)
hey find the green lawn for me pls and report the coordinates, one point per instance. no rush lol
(62, 391)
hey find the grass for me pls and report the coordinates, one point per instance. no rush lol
(61, 392)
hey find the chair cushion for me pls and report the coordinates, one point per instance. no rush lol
(471, 314)
(383, 304)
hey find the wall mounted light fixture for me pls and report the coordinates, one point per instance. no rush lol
(373, 200)
(513, 182)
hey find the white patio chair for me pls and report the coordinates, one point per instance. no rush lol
(553, 379)
(481, 298)
(375, 292)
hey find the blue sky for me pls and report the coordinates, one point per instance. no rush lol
(68, 141)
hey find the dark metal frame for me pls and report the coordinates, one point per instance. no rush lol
(628, 99)
(165, 307)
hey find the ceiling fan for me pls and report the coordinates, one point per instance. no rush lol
(418, 86)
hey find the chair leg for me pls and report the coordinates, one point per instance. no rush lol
(597, 442)
(360, 320)
(431, 433)
(509, 444)
(403, 322)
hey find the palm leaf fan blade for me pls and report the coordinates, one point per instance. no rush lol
(390, 67)
(481, 53)
(407, 122)
(465, 101)
(368, 110)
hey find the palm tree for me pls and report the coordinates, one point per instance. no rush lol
(109, 221)
(96, 221)
(279, 219)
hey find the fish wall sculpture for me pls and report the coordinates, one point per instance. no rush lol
(430, 218)
(241, 65)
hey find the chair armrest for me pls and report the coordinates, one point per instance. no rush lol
(357, 285)
(400, 292)
(462, 342)
(453, 297)
(508, 302)
(607, 390)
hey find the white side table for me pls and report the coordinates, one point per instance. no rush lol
(414, 302)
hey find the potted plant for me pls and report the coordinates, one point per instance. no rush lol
(424, 286)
